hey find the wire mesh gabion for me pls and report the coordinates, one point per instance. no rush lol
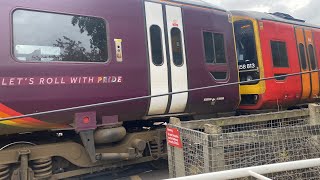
(246, 145)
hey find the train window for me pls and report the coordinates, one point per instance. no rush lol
(302, 56)
(214, 48)
(208, 47)
(176, 41)
(156, 45)
(245, 42)
(219, 48)
(45, 37)
(279, 54)
(312, 57)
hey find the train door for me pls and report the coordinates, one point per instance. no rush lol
(310, 47)
(167, 59)
(316, 40)
(304, 64)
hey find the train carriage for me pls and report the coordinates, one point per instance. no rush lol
(58, 55)
(64, 54)
(275, 45)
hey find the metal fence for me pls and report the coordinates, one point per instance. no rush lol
(239, 142)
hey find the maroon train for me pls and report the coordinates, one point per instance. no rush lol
(62, 54)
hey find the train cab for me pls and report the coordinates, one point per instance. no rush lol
(270, 47)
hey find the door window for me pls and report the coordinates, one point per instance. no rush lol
(156, 45)
(302, 56)
(176, 46)
(312, 57)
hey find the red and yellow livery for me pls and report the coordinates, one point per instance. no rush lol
(275, 45)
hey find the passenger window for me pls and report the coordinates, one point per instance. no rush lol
(44, 37)
(156, 45)
(312, 57)
(302, 56)
(219, 48)
(176, 41)
(214, 48)
(279, 54)
(208, 47)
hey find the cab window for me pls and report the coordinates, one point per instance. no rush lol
(245, 42)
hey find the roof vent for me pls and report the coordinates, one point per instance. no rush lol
(286, 16)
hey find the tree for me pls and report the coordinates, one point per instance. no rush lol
(74, 50)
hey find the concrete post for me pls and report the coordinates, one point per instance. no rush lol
(215, 160)
(175, 121)
(314, 113)
(314, 119)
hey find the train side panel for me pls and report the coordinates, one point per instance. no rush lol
(53, 85)
(280, 57)
(288, 46)
(35, 77)
(316, 39)
(199, 25)
(281, 91)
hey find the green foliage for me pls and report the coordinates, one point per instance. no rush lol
(74, 50)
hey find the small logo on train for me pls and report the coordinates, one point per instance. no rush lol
(175, 23)
(213, 101)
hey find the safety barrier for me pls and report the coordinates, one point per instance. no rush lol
(241, 146)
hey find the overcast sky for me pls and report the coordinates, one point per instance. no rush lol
(308, 10)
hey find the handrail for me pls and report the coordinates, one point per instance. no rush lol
(258, 170)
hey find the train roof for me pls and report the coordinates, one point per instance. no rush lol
(278, 17)
(199, 3)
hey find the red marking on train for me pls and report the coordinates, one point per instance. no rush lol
(28, 120)
(175, 23)
(173, 137)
